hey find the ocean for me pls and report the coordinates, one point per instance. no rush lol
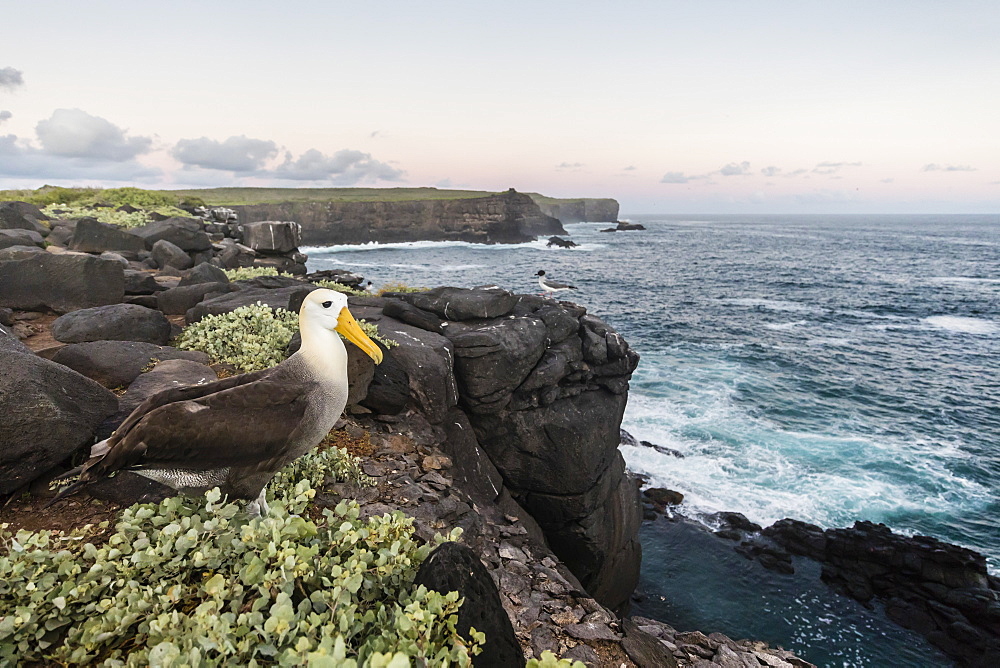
(824, 368)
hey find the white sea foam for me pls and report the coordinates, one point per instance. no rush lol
(784, 326)
(735, 462)
(962, 325)
(537, 244)
(964, 280)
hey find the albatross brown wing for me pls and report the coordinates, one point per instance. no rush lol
(241, 426)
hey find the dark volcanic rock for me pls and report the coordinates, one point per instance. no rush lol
(140, 283)
(167, 254)
(91, 236)
(10, 238)
(940, 590)
(60, 283)
(629, 227)
(116, 322)
(50, 412)
(561, 243)
(118, 363)
(412, 315)
(454, 567)
(461, 304)
(185, 233)
(271, 236)
(22, 216)
(179, 300)
(389, 390)
(225, 303)
(10, 343)
(426, 360)
(204, 273)
(19, 252)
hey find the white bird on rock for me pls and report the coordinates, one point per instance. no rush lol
(549, 285)
(236, 433)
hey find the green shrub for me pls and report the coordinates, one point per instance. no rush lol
(399, 287)
(140, 199)
(340, 287)
(550, 660)
(246, 273)
(249, 338)
(252, 337)
(188, 583)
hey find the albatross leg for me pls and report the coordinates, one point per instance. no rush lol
(258, 507)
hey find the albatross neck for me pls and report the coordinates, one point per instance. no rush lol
(323, 352)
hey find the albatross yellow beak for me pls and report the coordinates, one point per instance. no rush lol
(351, 330)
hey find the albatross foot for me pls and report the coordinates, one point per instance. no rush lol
(258, 507)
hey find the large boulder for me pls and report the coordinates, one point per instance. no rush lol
(115, 322)
(179, 300)
(168, 254)
(280, 298)
(61, 283)
(50, 412)
(271, 236)
(92, 236)
(19, 252)
(455, 567)
(204, 273)
(141, 283)
(10, 342)
(22, 216)
(118, 363)
(230, 254)
(19, 237)
(185, 233)
(461, 304)
(165, 375)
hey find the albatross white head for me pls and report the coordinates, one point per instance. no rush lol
(323, 315)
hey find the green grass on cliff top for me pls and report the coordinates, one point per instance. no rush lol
(242, 196)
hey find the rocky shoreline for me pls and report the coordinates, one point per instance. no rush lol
(498, 413)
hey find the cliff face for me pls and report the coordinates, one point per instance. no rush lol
(509, 217)
(585, 210)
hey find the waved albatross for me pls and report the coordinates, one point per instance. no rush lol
(237, 432)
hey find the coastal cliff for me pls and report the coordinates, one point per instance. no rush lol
(509, 217)
(581, 210)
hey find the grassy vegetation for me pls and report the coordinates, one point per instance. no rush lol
(150, 200)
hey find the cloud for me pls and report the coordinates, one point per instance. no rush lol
(675, 177)
(73, 133)
(5, 116)
(948, 168)
(833, 167)
(797, 172)
(735, 169)
(887, 181)
(11, 78)
(630, 168)
(569, 165)
(771, 170)
(235, 154)
(18, 159)
(345, 167)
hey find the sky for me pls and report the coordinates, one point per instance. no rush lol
(704, 106)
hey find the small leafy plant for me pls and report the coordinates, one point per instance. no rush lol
(188, 583)
(250, 338)
(247, 273)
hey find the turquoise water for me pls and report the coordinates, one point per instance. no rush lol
(826, 368)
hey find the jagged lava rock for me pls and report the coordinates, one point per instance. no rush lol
(167, 254)
(22, 216)
(92, 236)
(271, 236)
(50, 412)
(20, 237)
(204, 273)
(185, 233)
(61, 283)
(455, 567)
(115, 322)
(118, 363)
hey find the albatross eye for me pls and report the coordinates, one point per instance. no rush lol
(327, 304)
